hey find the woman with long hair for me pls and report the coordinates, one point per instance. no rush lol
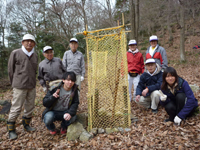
(177, 96)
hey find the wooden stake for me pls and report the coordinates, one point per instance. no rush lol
(123, 19)
(125, 105)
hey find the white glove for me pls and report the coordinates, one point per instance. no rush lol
(82, 78)
(44, 89)
(177, 120)
(163, 97)
(65, 115)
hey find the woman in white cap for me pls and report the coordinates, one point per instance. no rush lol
(135, 66)
(156, 52)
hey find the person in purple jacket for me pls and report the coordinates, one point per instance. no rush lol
(177, 97)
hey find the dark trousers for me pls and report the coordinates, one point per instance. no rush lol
(52, 116)
(174, 107)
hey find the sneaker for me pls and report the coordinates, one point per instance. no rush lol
(167, 120)
(63, 131)
(154, 111)
(53, 132)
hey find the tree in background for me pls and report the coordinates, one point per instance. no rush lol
(182, 37)
(54, 22)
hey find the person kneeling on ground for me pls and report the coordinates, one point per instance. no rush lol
(61, 104)
(147, 93)
(178, 98)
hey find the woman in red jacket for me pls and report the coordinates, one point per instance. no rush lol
(135, 66)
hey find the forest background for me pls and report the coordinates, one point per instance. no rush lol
(54, 22)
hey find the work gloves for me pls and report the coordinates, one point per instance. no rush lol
(82, 78)
(44, 89)
(163, 97)
(177, 120)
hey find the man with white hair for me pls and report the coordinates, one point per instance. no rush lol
(157, 52)
(73, 60)
(51, 70)
(22, 68)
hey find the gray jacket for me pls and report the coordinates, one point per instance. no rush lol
(22, 69)
(159, 55)
(74, 62)
(50, 70)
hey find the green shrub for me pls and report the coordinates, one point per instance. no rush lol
(143, 48)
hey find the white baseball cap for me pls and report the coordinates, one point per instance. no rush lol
(73, 40)
(132, 42)
(28, 37)
(153, 38)
(150, 60)
(47, 48)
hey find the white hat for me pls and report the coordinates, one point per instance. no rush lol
(47, 48)
(73, 40)
(28, 37)
(150, 60)
(132, 42)
(153, 38)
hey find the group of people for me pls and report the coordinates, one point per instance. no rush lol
(154, 82)
(60, 79)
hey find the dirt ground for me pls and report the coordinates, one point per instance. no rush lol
(149, 132)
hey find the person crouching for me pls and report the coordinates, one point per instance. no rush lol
(61, 104)
(147, 93)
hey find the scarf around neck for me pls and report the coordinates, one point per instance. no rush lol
(134, 52)
(153, 72)
(151, 51)
(172, 89)
(26, 52)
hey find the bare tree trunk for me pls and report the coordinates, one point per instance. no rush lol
(84, 14)
(110, 12)
(168, 24)
(3, 36)
(182, 34)
(132, 19)
(137, 19)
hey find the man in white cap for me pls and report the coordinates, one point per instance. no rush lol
(73, 60)
(147, 92)
(135, 66)
(157, 52)
(22, 68)
(51, 70)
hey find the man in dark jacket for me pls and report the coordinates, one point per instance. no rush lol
(61, 104)
(50, 70)
(147, 93)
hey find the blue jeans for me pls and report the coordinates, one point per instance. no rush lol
(52, 116)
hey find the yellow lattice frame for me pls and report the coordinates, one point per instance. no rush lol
(108, 100)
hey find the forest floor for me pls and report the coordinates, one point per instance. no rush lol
(149, 132)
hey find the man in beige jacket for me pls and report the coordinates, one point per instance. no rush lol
(22, 67)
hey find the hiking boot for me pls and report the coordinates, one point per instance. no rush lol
(53, 132)
(26, 122)
(63, 131)
(167, 120)
(154, 111)
(11, 129)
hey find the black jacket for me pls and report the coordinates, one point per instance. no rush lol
(49, 101)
